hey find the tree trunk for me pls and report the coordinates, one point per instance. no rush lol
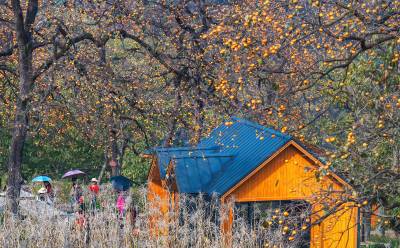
(395, 162)
(103, 168)
(24, 40)
(15, 157)
(115, 170)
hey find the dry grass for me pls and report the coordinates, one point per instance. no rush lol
(195, 225)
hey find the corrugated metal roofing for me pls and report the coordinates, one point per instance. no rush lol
(252, 143)
(194, 173)
(223, 158)
(164, 155)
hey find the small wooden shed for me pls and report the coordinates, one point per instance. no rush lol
(253, 165)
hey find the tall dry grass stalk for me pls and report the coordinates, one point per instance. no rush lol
(196, 224)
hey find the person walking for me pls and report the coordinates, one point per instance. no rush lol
(76, 195)
(120, 204)
(49, 190)
(94, 187)
(94, 191)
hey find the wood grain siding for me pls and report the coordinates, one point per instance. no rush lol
(158, 199)
(291, 175)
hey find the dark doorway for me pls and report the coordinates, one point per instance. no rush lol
(271, 215)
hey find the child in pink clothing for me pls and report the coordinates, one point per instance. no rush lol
(121, 204)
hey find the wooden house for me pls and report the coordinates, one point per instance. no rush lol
(256, 166)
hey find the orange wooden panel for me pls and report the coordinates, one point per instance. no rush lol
(292, 176)
(340, 228)
(158, 200)
(226, 213)
(375, 216)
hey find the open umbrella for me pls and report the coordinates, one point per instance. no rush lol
(41, 179)
(121, 183)
(73, 174)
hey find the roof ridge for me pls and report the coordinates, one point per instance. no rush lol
(205, 156)
(258, 126)
(185, 148)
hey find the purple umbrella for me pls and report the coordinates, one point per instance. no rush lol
(73, 173)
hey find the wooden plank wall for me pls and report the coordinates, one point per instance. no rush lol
(292, 176)
(158, 200)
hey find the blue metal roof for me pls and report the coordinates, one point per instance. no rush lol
(164, 155)
(252, 143)
(194, 173)
(223, 158)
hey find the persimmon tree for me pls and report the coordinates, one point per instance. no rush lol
(362, 132)
(113, 107)
(171, 34)
(58, 38)
(302, 66)
(36, 36)
(271, 51)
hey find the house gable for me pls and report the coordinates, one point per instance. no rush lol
(300, 165)
(154, 171)
(291, 174)
(287, 175)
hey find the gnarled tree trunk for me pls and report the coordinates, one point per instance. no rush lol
(24, 40)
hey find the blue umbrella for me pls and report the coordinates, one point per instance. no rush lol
(121, 183)
(41, 179)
